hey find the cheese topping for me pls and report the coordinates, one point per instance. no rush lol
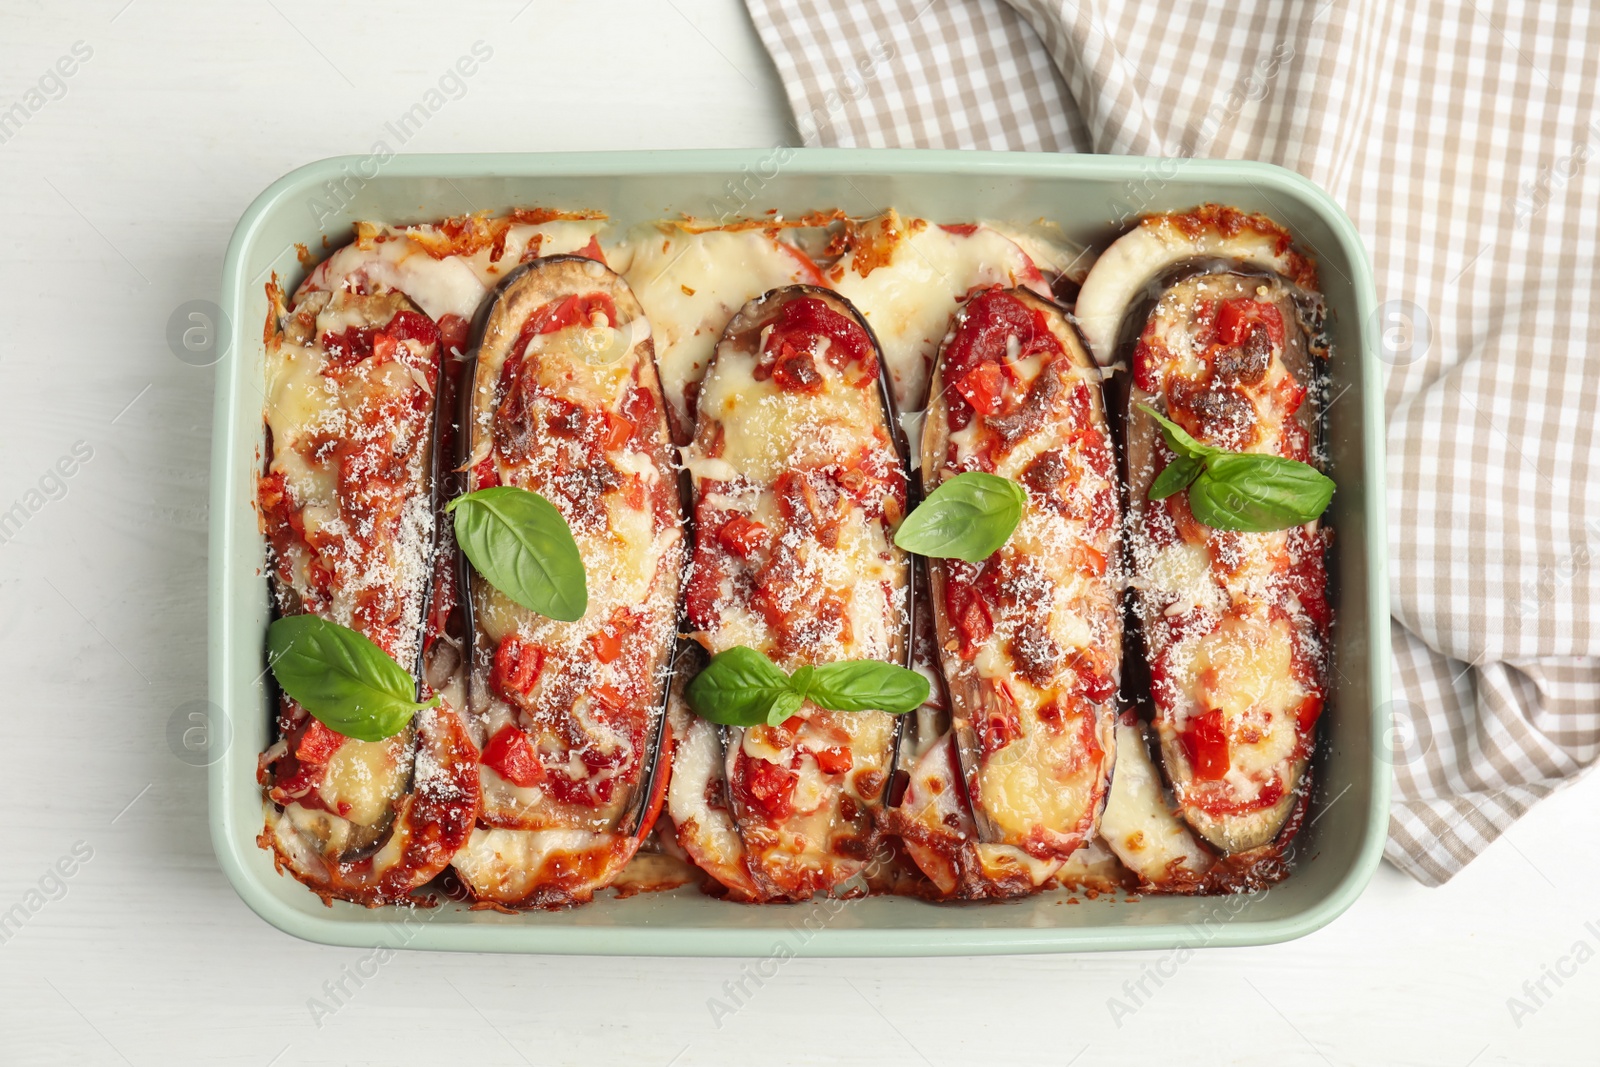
(906, 277)
(798, 491)
(691, 284)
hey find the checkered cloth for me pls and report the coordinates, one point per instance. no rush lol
(1461, 139)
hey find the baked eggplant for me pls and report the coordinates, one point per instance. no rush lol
(799, 487)
(354, 441)
(1029, 639)
(929, 812)
(1234, 625)
(565, 402)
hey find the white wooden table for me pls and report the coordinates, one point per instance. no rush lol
(119, 191)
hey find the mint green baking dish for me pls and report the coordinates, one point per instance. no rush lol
(1088, 196)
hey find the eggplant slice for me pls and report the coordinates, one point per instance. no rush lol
(1030, 639)
(1234, 626)
(799, 487)
(1128, 269)
(356, 386)
(565, 401)
(929, 811)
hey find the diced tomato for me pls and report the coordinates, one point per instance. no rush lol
(607, 644)
(1148, 362)
(298, 780)
(1094, 674)
(1236, 318)
(997, 726)
(484, 475)
(511, 755)
(609, 698)
(795, 371)
(983, 388)
(1306, 715)
(1206, 745)
(800, 322)
(411, 326)
(569, 311)
(988, 323)
(1270, 793)
(639, 407)
(972, 618)
(517, 664)
(455, 333)
(742, 536)
(960, 229)
(618, 432)
(318, 743)
(592, 251)
(704, 591)
(766, 786)
(348, 347)
(834, 760)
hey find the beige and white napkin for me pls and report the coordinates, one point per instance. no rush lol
(1464, 140)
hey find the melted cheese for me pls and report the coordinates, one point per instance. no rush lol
(909, 298)
(363, 776)
(1139, 825)
(692, 284)
(454, 285)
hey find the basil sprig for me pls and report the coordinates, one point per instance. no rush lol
(523, 547)
(742, 687)
(1244, 491)
(344, 680)
(967, 517)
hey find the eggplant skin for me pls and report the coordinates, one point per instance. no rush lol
(1032, 699)
(408, 802)
(565, 401)
(1234, 626)
(799, 487)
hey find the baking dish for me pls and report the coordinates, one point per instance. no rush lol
(1091, 198)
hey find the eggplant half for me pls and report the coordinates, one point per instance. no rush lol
(929, 812)
(1233, 625)
(355, 439)
(1029, 639)
(565, 401)
(799, 486)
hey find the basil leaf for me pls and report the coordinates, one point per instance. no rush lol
(967, 517)
(784, 706)
(1178, 438)
(523, 547)
(800, 680)
(344, 680)
(1258, 493)
(1175, 477)
(1245, 491)
(867, 685)
(740, 687)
